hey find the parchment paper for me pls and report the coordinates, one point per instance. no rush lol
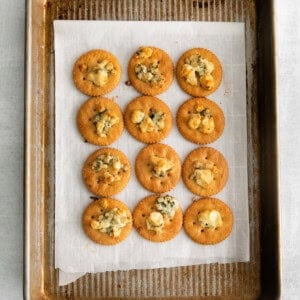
(74, 252)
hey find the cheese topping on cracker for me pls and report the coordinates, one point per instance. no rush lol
(202, 120)
(104, 121)
(197, 70)
(109, 168)
(207, 82)
(155, 221)
(203, 174)
(167, 205)
(210, 219)
(111, 222)
(98, 74)
(149, 73)
(154, 121)
(144, 52)
(160, 166)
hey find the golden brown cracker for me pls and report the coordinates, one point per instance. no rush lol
(149, 106)
(198, 90)
(108, 111)
(219, 170)
(165, 69)
(86, 70)
(145, 166)
(143, 210)
(92, 213)
(96, 178)
(207, 236)
(187, 111)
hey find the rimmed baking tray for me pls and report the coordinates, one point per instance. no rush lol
(258, 278)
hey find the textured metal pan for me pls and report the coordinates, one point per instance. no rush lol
(259, 278)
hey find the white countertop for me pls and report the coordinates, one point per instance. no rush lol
(288, 42)
(12, 28)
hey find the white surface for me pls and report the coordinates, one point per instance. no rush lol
(288, 29)
(74, 251)
(11, 147)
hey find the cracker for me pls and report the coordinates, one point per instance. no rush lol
(155, 61)
(197, 89)
(93, 76)
(100, 121)
(99, 207)
(171, 226)
(106, 172)
(191, 117)
(205, 171)
(157, 168)
(148, 119)
(207, 235)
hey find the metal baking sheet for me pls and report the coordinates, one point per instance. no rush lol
(259, 278)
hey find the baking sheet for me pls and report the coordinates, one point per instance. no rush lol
(74, 252)
(260, 277)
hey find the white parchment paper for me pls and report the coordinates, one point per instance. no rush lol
(74, 252)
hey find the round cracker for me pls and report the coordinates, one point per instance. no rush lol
(203, 155)
(93, 180)
(91, 59)
(166, 68)
(197, 90)
(194, 135)
(207, 236)
(143, 210)
(86, 126)
(147, 104)
(94, 210)
(143, 168)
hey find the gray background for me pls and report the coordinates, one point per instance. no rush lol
(12, 28)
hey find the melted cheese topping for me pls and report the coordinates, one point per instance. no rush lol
(98, 74)
(155, 121)
(104, 121)
(207, 82)
(160, 166)
(111, 222)
(149, 73)
(203, 177)
(203, 174)
(109, 167)
(144, 52)
(167, 205)
(210, 219)
(155, 222)
(197, 70)
(137, 116)
(201, 120)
